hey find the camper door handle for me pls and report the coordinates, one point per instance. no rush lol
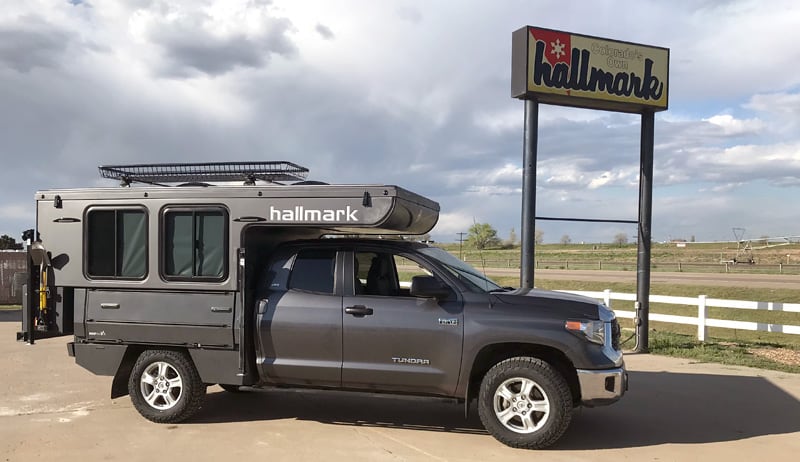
(358, 311)
(109, 306)
(221, 309)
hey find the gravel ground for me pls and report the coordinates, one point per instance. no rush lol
(781, 355)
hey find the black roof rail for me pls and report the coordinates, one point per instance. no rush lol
(248, 172)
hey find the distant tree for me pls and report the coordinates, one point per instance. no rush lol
(538, 236)
(9, 243)
(482, 235)
(620, 239)
(565, 239)
(512, 237)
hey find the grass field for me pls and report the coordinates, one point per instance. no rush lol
(664, 257)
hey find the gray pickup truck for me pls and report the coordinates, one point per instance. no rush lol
(172, 289)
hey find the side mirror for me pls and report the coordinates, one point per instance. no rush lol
(428, 287)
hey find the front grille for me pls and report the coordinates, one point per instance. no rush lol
(615, 334)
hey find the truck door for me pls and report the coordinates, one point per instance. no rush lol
(391, 340)
(300, 319)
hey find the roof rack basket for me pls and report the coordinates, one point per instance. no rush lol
(249, 172)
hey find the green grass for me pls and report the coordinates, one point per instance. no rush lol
(733, 353)
(665, 257)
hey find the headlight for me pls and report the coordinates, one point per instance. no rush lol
(594, 331)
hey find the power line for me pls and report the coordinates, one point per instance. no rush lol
(461, 245)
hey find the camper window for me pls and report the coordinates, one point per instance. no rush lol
(195, 244)
(116, 244)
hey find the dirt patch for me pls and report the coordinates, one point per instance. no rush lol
(779, 355)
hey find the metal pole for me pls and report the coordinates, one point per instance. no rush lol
(32, 299)
(529, 192)
(461, 245)
(645, 232)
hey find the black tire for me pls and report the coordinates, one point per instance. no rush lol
(232, 388)
(165, 387)
(525, 427)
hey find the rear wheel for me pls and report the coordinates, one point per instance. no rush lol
(525, 403)
(165, 387)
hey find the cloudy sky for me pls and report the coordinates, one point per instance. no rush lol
(414, 93)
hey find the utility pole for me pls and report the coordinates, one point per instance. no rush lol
(461, 245)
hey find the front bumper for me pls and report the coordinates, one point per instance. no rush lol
(602, 387)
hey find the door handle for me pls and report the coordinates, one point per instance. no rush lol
(109, 306)
(358, 311)
(221, 309)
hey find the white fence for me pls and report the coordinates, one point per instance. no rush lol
(702, 303)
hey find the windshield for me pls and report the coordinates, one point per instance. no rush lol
(465, 273)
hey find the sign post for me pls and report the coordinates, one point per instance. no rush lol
(566, 69)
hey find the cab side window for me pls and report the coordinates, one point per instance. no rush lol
(313, 271)
(385, 274)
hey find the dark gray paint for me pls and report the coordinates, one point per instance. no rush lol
(402, 327)
(645, 232)
(300, 339)
(99, 359)
(529, 147)
(217, 366)
(174, 318)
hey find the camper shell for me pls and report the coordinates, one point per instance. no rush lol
(172, 283)
(162, 250)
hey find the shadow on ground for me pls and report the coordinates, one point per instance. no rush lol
(11, 316)
(660, 408)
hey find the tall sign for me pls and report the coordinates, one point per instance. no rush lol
(590, 72)
(566, 69)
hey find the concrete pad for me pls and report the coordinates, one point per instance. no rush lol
(675, 410)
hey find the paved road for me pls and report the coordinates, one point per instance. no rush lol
(51, 409)
(766, 281)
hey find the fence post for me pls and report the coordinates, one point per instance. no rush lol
(702, 311)
(679, 267)
(600, 264)
(780, 268)
(607, 298)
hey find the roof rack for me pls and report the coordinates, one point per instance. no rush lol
(249, 172)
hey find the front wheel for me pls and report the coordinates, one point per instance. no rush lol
(165, 387)
(525, 403)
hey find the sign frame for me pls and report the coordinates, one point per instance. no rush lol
(626, 77)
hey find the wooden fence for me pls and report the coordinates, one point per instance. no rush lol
(13, 268)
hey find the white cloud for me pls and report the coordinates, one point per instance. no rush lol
(451, 223)
(732, 127)
(404, 93)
